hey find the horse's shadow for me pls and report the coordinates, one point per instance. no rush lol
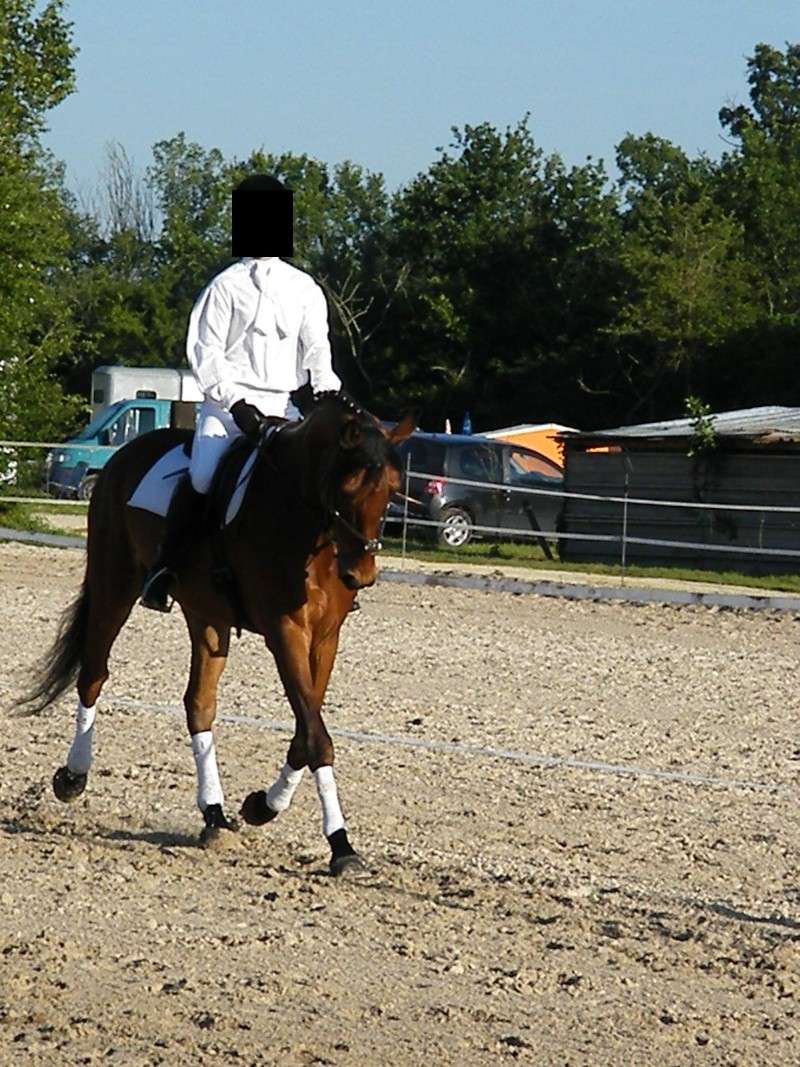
(25, 824)
(730, 911)
(159, 838)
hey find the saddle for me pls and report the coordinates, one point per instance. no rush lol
(230, 479)
(226, 480)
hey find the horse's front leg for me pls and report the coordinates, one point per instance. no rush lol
(305, 669)
(209, 655)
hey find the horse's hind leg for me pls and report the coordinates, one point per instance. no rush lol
(209, 655)
(108, 612)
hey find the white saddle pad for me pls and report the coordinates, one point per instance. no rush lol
(154, 491)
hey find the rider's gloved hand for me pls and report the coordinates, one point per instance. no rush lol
(248, 418)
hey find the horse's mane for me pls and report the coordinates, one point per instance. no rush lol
(373, 450)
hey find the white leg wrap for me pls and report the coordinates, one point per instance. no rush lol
(79, 758)
(280, 793)
(209, 789)
(332, 818)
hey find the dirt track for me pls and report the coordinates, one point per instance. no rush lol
(569, 915)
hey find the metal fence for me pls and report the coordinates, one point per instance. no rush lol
(33, 472)
(40, 473)
(623, 538)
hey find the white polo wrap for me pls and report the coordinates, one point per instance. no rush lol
(79, 758)
(280, 793)
(332, 818)
(209, 788)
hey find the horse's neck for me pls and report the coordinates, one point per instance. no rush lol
(288, 475)
(296, 459)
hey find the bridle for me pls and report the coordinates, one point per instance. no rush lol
(333, 515)
(373, 544)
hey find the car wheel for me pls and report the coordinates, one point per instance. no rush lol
(86, 487)
(456, 529)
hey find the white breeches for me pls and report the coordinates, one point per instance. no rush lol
(216, 431)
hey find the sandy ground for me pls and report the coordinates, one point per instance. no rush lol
(514, 912)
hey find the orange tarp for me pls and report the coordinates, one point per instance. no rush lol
(541, 438)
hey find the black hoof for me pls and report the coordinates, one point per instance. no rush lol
(350, 866)
(218, 831)
(344, 859)
(255, 809)
(215, 819)
(67, 785)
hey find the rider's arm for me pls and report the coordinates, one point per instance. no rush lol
(206, 342)
(317, 358)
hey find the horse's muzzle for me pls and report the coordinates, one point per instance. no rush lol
(358, 577)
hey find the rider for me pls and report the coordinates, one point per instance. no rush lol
(258, 331)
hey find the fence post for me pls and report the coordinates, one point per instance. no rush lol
(405, 511)
(625, 528)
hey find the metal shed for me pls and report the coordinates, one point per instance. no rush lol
(755, 460)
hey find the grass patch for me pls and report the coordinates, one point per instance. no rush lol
(532, 557)
(38, 518)
(22, 517)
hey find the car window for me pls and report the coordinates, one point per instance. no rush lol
(130, 424)
(427, 457)
(528, 468)
(477, 463)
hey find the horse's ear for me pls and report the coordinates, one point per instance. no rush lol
(350, 435)
(403, 430)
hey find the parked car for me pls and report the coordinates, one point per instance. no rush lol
(73, 469)
(460, 508)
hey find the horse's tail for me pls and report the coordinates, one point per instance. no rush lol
(59, 669)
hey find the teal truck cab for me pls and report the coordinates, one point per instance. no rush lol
(160, 398)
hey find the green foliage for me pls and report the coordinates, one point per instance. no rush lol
(704, 436)
(499, 280)
(761, 178)
(36, 71)
(510, 262)
(688, 286)
(35, 326)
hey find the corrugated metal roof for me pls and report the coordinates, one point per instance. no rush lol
(529, 427)
(746, 422)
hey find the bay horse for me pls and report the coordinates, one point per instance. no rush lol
(301, 545)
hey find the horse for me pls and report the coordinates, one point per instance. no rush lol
(301, 546)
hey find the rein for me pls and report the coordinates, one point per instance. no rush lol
(333, 515)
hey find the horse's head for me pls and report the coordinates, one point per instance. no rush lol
(359, 472)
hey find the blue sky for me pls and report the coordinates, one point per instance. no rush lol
(382, 83)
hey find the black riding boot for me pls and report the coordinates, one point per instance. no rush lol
(184, 517)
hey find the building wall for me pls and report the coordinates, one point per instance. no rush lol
(763, 477)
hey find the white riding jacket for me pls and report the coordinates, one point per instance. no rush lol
(258, 329)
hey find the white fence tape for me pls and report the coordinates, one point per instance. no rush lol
(594, 496)
(407, 520)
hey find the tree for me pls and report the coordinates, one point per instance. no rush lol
(508, 280)
(36, 73)
(761, 177)
(688, 288)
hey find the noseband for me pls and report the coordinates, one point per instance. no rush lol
(373, 545)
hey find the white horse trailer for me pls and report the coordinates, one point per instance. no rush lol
(110, 384)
